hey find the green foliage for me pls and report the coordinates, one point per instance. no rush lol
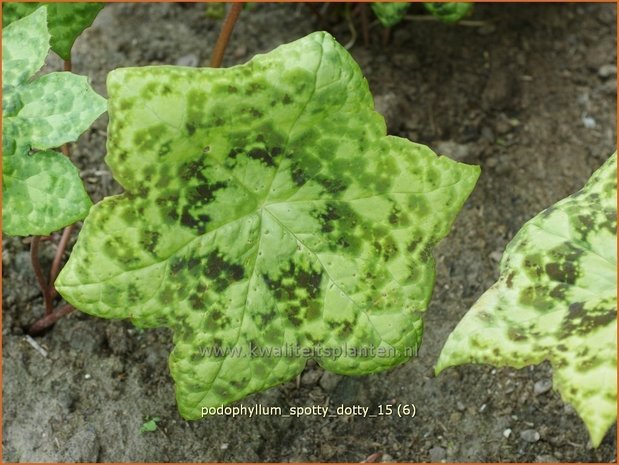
(150, 425)
(390, 13)
(42, 192)
(66, 21)
(215, 10)
(556, 300)
(449, 12)
(264, 208)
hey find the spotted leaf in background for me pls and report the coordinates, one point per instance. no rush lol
(449, 12)
(390, 13)
(556, 300)
(42, 190)
(66, 21)
(266, 219)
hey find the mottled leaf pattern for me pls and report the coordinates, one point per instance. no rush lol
(42, 191)
(390, 13)
(58, 107)
(264, 207)
(24, 49)
(556, 300)
(66, 21)
(449, 12)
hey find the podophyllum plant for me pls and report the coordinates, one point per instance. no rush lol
(556, 300)
(264, 208)
(66, 21)
(42, 190)
(391, 13)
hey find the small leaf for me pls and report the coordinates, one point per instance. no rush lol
(449, 12)
(390, 13)
(150, 425)
(58, 107)
(42, 193)
(24, 47)
(264, 207)
(556, 300)
(66, 21)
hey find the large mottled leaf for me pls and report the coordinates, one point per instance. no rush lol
(42, 191)
(449, 12)
(390, 13)
(556, 300)
(264, 209)
(66, 21)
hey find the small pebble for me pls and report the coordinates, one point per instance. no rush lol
(329, 381)
(507, 433)
(87, 376)
(542, 386)
(529, 435)
(487, 134)
(460, 406)
(452, 149)
(188, 60)
(311, 377)
(606, 71)
(437, 454)
(588, 121)
(224, 446)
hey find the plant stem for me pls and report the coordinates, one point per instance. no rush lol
(224, 35)
(62, 246)
(49, 320)
(365, 24)
(36, 266)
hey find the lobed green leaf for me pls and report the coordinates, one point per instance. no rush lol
(66, 21)
(556, 300)
(24, 48)
(264, 207)
(42, 192)
(390, 13)
(449, 12)
(58, 107)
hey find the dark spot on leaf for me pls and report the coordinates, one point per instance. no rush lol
(262, 155)
(222, 272)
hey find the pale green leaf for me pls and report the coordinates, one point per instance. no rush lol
(449, 12)
(41, 193)
(390, 13)
(58, 107)
(556, 300)
(264, 207)
(66, 21)
(25, 44)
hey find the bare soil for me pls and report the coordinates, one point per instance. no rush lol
(529, 94)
